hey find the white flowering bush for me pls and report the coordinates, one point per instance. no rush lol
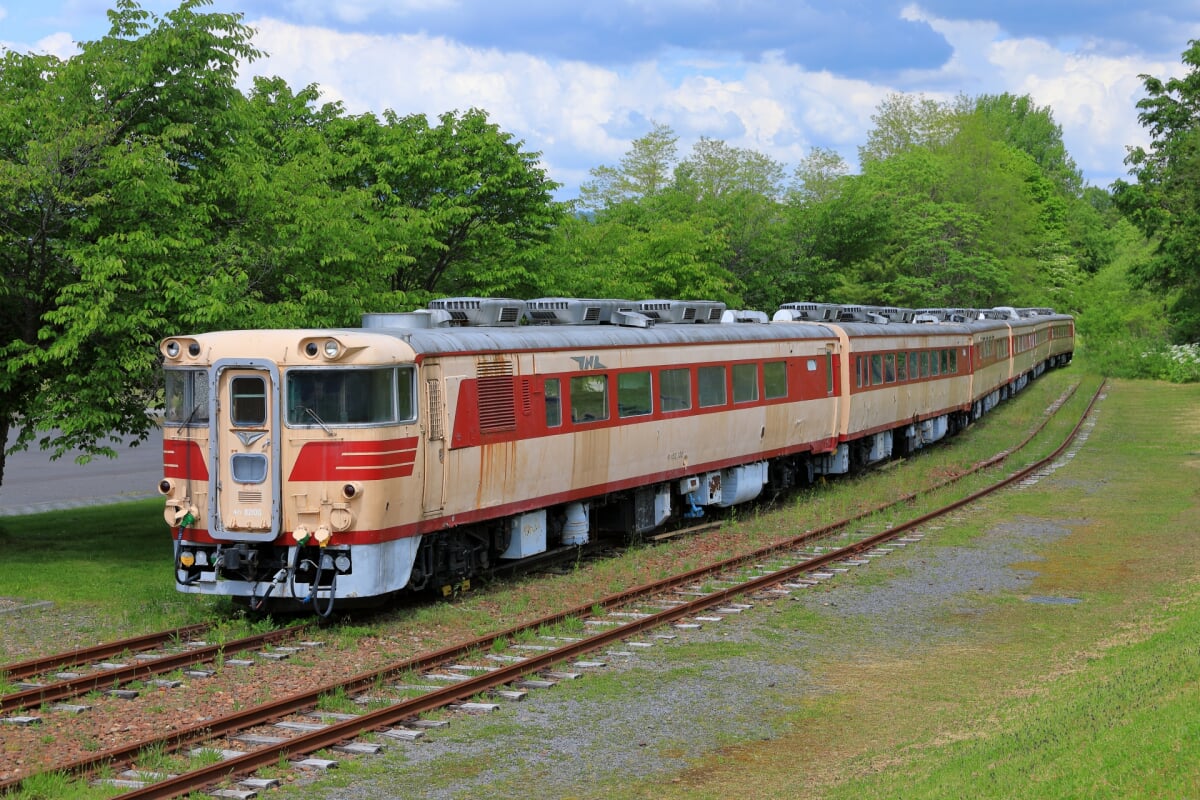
(1177, 363)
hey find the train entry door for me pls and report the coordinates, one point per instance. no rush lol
(435, 436)
(244, 498)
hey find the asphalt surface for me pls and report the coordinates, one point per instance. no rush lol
(33, 483)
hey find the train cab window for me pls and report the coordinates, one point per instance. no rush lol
(553, 393)
(876, 369)
(248, 399)
(902, 367)
(745, 383)
(712, 386)
(186, 397)
(589, 398)
(674, 390)
(634, 394)
(325, 397)
(775, 379)
(889, 367)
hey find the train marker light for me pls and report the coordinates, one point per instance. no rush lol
(187, 558)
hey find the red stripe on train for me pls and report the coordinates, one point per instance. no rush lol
(184, 459)
(364, 461)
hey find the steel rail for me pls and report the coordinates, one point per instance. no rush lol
(109, 678)
(70, 658)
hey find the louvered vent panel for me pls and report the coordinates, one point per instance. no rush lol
(436, 429)
(497, 411)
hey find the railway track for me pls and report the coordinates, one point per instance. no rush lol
(793, 563)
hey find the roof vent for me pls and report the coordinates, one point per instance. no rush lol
(572, 311)
(738, 316)
(682, 311)
(808, 312)
(480, 311)
(422, 318)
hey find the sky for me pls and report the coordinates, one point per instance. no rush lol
(579, 81)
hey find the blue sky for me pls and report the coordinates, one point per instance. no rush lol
(578, 81)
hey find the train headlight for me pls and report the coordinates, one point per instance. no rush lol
(311, 349)
(194, 349)
(165, 486)
(172, 349)
(332, 348)
(352, 490)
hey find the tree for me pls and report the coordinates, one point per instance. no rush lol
(905, 121)
(100, 156)
(645, 170)
(1165, 201)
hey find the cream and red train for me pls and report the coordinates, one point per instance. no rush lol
(323, 466)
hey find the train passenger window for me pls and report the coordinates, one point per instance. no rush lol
(876, 369)
(858, 371)
(675, 390)
(745, 383)
(901, 367)
(934, 363)
(775, 379)
(633, 394)
(552, 390)
(186, 397)
(248, 399)
(712, 386)
(914, 367)
(945, 362)
(953, 354)
(924, 363)
(828, 372)
(889, 367)
(589, 398)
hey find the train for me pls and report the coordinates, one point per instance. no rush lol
(308, 468)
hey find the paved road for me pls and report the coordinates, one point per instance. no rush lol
(33, 483)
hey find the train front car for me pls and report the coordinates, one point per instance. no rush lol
(290, 458)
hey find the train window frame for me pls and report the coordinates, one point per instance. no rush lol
(670, 399)
(552, 392)
(635, 399)
(373, 407)
(248, 407)
(708, 386)
(583, 396)
(745, 383)
(186, 397)
(775, 380)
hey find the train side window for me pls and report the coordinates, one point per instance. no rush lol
(633, 394)
(876, 369)
(187, 397)
(945, 362)
(828, 372)
(248, 396)
(589, 398)
(745, 383)
(953, 354)
(914, 367)
(901, 367)
(553, 393)
(934, 363)
(675, 390)
(712, 386)
(924, 363)
(858, 371)
(775, 379)
(406, 395)
(889, 367)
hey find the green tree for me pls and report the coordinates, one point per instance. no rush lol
(100, 157)
(1165, 201)
(645, 170)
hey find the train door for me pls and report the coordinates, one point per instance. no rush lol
(244, 495)
(435, 440)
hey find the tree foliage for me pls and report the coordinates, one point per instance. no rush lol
(1165, 201)
(142, 194)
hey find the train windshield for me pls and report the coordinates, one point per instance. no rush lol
(325, 397)
(187, 396)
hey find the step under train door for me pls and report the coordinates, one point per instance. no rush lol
(244, 498)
